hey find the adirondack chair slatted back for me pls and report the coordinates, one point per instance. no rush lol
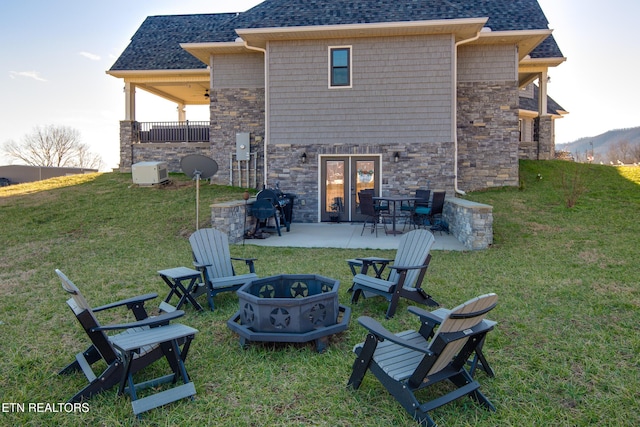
(87, 319)
(211, 248)
(413, 250)
(461, 318)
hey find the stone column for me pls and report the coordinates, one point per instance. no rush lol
(127, 138)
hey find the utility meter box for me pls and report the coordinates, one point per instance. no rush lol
(149, 173)
(242, 146)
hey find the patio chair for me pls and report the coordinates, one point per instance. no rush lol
(405, 275)
(373, 216)
(420, 209)
(409, 361)
(210, 248)
(140, 344)
(381, 205)
(435, 220)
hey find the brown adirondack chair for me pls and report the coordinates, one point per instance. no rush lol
(405, 276)
(409, 361)
(211, 255)
(140, 344)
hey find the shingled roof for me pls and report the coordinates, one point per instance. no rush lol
(156, 43)
(531, 104)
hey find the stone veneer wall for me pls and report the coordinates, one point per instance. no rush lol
(127, 129)
(470, 222)
(487, 135)
(236, 111)
(420, 166)
(547, 138)
(229, 217)
(132, 152)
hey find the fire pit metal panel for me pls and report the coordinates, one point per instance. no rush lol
(289, 303)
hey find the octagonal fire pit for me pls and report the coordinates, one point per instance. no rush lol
(290, 308)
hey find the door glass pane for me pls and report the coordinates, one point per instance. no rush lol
(335, 186)
(365, 176)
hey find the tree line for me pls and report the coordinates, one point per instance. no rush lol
(52, 146)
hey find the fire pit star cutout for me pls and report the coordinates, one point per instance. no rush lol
(280, 318)
(299, 290)
(317, 314)
(267, 291)
(248, 314)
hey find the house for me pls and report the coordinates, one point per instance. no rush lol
(329, 97)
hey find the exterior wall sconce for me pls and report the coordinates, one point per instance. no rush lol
(303, 158)
(206, 93)
(396, 157)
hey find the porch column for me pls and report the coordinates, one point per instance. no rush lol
(129, 101)
(182, 113)
(542, 95)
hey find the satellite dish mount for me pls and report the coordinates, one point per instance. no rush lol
(197, 167)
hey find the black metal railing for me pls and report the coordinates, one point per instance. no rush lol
(163, 132)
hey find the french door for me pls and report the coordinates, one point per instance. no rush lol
(342, 178)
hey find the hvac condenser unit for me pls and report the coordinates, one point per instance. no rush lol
(149, 173)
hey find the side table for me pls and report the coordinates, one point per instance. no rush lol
(174, 278)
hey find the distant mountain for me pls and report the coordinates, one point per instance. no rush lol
(602, 142)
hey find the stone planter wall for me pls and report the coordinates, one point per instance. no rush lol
(470, 222)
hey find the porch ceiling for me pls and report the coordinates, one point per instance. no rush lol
(530, 69)
(180, 86)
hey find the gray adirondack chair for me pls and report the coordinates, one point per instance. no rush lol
(409, 361)
(140, 344)
(405, 275)
(211, 255)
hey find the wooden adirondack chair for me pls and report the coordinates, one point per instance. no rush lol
(141, 343)
(211, 255)
(405, 276)
(408, 361)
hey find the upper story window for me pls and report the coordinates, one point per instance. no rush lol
(340, 66)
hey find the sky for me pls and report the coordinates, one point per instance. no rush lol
(54, 57)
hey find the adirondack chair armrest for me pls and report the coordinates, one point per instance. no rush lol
(128, 302)
(425, 316)
(374, 260)
(382, 334)
(200, 266)
(411, 267)
(159, 320)
(247, 261)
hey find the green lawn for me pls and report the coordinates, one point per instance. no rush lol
(565, 351)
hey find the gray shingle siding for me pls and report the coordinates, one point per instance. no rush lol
(238, 71)
(402, 90)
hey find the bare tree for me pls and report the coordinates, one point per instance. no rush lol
(57, 146)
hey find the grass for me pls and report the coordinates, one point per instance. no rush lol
(566, 348)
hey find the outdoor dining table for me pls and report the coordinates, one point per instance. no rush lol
(395, 200)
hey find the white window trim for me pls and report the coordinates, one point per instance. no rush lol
(350, 47)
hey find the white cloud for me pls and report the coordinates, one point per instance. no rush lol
(90, 56)
(30, 74)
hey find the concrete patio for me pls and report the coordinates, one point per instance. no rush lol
(346, 236)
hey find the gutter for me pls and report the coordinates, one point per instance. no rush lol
(455, 110)
(266, 105)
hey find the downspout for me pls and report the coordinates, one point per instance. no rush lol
(266, 106)
(455, 110)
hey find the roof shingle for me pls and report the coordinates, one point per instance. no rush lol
(156, 43)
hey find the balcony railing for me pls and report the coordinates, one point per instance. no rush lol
(164, 132)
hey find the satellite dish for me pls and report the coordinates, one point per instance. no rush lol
(198, 167)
